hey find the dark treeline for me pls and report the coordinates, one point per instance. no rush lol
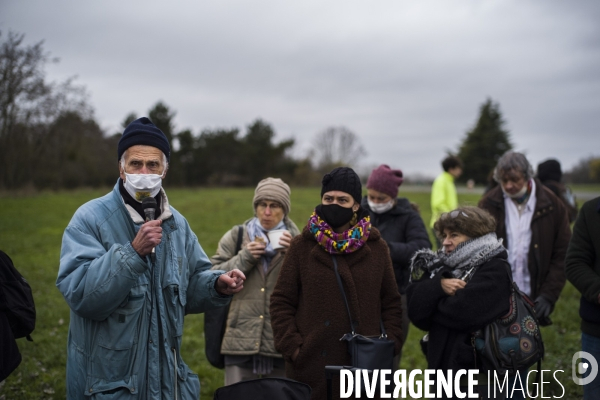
(49, 139)
(226, 157)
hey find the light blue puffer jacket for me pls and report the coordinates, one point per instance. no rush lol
(127, 315)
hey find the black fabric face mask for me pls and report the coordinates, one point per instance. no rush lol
(334, 214)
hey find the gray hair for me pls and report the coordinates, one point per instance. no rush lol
(122, 161)
(512, 160)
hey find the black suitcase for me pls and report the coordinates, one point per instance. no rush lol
(264, 389)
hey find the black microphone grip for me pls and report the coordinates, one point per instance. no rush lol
(149, 205)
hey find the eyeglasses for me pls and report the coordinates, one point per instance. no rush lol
(455, 213)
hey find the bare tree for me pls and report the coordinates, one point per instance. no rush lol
(28, 105)
(337, 146)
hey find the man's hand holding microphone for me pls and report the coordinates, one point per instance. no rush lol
(150, 235)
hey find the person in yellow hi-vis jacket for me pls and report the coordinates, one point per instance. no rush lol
(443, 191)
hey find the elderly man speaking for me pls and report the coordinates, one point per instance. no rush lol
(129, 283)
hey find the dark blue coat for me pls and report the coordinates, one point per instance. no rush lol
(404, 232)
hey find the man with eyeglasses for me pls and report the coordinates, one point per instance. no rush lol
(130, 275)
(534, 225)
(257, 248)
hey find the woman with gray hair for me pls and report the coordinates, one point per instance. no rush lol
(460, 288)
(248, 341)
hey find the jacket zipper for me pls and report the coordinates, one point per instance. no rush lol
(175, 369)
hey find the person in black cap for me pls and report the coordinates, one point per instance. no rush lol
(308, 313)
(550, 174)
(129, 278)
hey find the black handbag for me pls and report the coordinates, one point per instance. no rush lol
(366, 352)
(215, 322)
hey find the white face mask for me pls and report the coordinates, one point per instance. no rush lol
(380, 208)
(517, 195)
(140, 186)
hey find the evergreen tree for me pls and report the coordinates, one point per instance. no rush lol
(162, 117)
(128, 119)
(265, 157)
(484, 144)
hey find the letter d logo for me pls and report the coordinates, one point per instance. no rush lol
(588, 362)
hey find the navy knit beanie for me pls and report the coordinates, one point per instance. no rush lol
(343, 179)
(143, 131)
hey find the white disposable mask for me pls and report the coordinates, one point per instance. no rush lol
(140, 186)
(517, 195)
(380, 208)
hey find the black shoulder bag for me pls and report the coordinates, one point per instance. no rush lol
(512, 342)
(366, 352)
(215, 322)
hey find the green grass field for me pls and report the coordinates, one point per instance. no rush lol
(31, 229)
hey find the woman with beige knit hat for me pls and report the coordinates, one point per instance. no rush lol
(248, 341)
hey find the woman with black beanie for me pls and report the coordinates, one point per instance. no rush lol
(308, 314)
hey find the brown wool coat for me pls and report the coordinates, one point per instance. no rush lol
(550, 235)
(307, 310)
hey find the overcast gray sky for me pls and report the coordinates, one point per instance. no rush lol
(407, 77)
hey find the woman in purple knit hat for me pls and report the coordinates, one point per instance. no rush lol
(400, 226)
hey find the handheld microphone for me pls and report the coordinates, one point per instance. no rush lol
(149, 205)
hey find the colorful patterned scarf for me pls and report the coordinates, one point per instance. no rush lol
(339, 243)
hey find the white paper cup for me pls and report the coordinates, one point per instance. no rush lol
(274, 237)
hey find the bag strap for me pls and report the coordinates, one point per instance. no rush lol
(515, 288)
(352, 324)
(339, 281)
(240, 237)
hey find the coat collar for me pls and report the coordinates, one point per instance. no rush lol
(542, 196)
(168, 223)
(543, 200)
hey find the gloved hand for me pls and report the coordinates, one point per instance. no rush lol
(543, 309)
